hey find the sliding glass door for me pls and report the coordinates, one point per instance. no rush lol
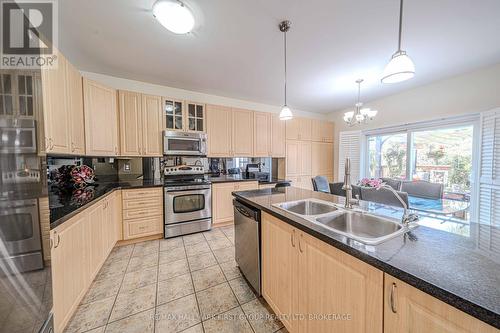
(441, 155)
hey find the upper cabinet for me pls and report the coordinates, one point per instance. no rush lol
(299, 129)
(63, 109)
(242, 138)
(140, 124)
(262, 134)
(101, 119)
(184, 116)
(322, 131)
(278, 136)
(219, 122)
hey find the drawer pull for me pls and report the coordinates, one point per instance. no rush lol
(393, 299)
(292, 238)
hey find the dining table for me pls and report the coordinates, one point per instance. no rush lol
(440, 206)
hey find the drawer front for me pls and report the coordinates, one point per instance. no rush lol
(142, 227)
(151, 203)
(143, 193)
(142, 212)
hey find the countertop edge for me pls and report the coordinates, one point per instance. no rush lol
(487, 316)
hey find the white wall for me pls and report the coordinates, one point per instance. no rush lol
(193, 96)
(467, 93)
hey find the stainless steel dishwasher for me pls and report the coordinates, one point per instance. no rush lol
(247, 242)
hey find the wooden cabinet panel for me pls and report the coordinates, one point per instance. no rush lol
(322, 158)
(292, 158)
(278, 136)
(219, 130)
(97, 237)
(101, 121)
(322, 131)
(222, 203)
(69, 268)
(417, 311)
(305, 157)
(75, 108)
(243, 131)
(299, 128)
(279, 268)
(333, 282)
(55, 108)
(152, 126)
(245, 186)
(131, 126)
(142, 212)
(262, 134)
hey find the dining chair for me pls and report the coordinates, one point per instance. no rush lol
(423, 189)
(320, 184)
(336, 189)
(392, 182)
(383, 196)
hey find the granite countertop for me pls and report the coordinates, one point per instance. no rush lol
(242, 178)
(448, 266)
(65, 204)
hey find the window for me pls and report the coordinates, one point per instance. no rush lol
(387, 156)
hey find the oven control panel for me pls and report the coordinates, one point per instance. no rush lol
(183, 170)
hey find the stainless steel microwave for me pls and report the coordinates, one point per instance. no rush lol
(184, 143)
(17, 136)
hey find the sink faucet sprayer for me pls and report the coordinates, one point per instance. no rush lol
(406, 219)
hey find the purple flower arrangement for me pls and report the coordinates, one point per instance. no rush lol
(370, 182)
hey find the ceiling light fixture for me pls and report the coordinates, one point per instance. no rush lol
(359, 115)
(400, 67)
(286, 113)
(174, 16)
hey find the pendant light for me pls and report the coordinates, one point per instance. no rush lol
(286, 113)
(359, 115)
(400, 67)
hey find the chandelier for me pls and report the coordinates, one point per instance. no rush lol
(359, 115)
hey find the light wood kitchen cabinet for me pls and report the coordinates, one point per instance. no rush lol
(184, 115)
(298, 158)
(140, 124)
(333, 282)
(69, 263)
(222, 200)
(303, 181)
(101, 119)
(152, 126)
(299, 128)
(407, 309)
(219, 130)
(63, 109)
(243, 133)
(142, 212)
(97, 232)
(279, 268)
(131, 127)
(304, 276)
(321, 158)
(278, 136)
(322, 131)
(262, 134)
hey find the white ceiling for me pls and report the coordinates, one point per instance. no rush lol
(236, 49)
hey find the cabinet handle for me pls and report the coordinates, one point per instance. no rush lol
(393, 298)
(300, 244)
(56, 245)
(51, 144)
(292, 238)
(47, 144)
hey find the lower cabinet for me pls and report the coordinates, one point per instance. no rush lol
(142, 212)
(79, 248)
(314, 286)
(222, 200)
(407, 309)
(303, 182)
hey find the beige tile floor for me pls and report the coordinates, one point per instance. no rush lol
(185, 284)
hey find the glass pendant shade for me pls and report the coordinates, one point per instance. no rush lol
(174, 16)
(286, 113)
(400, 68)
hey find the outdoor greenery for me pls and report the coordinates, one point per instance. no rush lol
(395, 157)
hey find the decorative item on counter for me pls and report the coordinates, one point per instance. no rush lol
(371, 182)
(82, 195)
(72, 176)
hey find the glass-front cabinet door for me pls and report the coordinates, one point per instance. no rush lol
(174, 113)
(195, 117)
(184, 116)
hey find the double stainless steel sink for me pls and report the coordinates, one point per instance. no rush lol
(361, 226)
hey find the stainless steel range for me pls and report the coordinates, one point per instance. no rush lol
(188, 200)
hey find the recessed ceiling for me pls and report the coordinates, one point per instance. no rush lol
(236, 49)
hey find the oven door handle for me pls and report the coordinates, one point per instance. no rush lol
(188, 192)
